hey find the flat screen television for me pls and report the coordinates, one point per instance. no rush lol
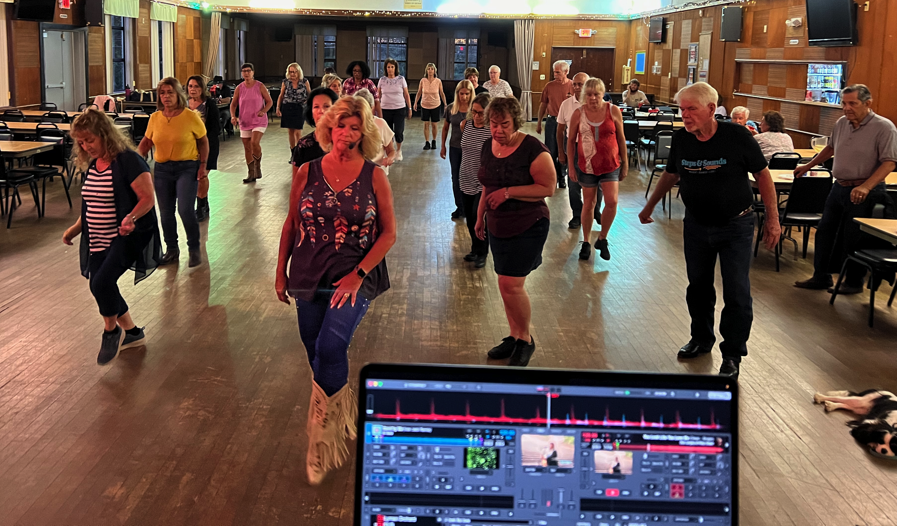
(37, 10)
(831, 23)
(657, 31)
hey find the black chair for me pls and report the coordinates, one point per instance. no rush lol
(13, 116)
(125, 121)
(879, 263)
(5, 132)
(784, 161)
(803, 209)
(48, 106)
(84, 105)
(10, 181)
(112, 115)
(139, 124)
(665, 117)
(44, 164)
(55, 116)
(662, 141)
(632, 136)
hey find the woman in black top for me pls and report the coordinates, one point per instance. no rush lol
(118, 225)
(307, 149)
(199, 100)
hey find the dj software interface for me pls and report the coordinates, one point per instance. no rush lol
(438, 453)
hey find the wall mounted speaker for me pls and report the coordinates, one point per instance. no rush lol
(730, 25)
(93, 12)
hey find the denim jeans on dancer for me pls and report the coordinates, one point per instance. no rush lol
(455, 161)
(732, 244)
(326, 333)
(175, 183)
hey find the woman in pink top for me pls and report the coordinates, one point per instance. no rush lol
(430, 90)
(597, 148)
(254, 101)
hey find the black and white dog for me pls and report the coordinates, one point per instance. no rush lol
(878, 429)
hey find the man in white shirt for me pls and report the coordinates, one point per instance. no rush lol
(565, 113)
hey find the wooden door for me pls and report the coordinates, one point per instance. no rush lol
(597, 62)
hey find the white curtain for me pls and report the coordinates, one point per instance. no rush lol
(154, 52)
(305, 53)
(214, 36)
(4, 61)
(524, 33)
(222, 52)
(167, 49)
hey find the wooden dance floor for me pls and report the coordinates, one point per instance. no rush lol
(206, 425)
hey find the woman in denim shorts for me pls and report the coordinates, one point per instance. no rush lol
(598, 148)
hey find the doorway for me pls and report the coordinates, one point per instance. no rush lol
(597, 62)
(64, 68)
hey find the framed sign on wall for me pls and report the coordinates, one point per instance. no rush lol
(640, 62)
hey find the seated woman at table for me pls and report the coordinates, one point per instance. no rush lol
(772, 137)
(121, 231)
(517, 174)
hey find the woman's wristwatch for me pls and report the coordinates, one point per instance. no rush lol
(360, 271)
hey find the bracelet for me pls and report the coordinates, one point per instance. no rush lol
(507, 194)
(203, 162)
(133, 218)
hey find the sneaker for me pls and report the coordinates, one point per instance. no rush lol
(815, 283)
(522, 353)
(503, 349)
(426, 145)
(601, 247)
(137, 340)
(470, 258)
(109, 346)
(399, 156)
(585, 251)
(201, 214)
(479, 262)
(562, 183)
(195, 258)
(574, 224)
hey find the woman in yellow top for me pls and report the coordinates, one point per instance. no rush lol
(431, 90)
(181, 153)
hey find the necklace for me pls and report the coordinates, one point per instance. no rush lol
(508, 146)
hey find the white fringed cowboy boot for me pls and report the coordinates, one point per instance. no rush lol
(330, 422)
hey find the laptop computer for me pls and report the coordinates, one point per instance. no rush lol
(487, 446)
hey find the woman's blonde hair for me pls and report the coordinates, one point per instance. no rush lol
(594, 84)
(329, 79)
(175, 85)
(98, 123)
(430, 65)
(371, 142)
(464, 84)
(298, 68)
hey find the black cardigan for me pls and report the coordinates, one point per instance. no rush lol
(126, 167)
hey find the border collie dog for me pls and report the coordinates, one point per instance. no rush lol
(878, 429)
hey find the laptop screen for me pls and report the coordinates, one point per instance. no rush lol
(500, 447)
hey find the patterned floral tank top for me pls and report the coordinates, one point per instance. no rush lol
(338, 230)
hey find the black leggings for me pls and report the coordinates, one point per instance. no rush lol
(104, 270)
(396, 121)
(478, 246)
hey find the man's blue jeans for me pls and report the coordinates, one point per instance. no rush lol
(732, 244)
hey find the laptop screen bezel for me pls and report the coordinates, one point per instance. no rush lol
(539, 376)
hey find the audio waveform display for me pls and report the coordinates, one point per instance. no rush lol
(538, 420)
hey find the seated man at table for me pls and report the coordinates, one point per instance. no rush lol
(741, 115)
(865, 148)
(633, 96)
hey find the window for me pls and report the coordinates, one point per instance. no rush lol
(381, 48)
(465, 56)
(329, 51)
(118, 35)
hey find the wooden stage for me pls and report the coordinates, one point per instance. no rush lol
(206, 425)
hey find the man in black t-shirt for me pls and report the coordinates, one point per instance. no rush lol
(710, 160)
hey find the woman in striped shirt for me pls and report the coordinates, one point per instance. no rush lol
(474, 134)
(121, 233)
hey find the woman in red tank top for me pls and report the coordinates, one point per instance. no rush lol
(597, 147)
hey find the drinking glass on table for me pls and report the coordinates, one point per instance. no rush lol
(818, 143)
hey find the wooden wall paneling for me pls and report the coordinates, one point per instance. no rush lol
(791, 113)
(684, 32)
(561, 33)
(885, 104)
(761, 74)
(188, 44)
(755, 106)
(777, 75)
(25, 81)
(775, 35)
(809, 118)
(677, 57)
(74, 16)
(760, 26)
(96, 61)
(348, 44)
(827, 119)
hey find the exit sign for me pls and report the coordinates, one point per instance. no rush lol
(585, 33)
(65, 4)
